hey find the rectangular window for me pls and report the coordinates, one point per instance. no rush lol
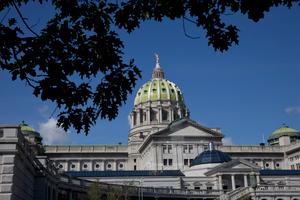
(185, 148)
(165, 162)
(197, 188)
(191, 160)
(170, 162)
(164, 147)
(134, 167)
(186, 162)
(190, 148)
(169, 148)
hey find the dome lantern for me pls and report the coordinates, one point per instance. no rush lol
(158, 71)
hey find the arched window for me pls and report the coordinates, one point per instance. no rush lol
(165, 115)
(153, 115)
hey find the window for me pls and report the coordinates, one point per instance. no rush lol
(170, 162)
(187, 148)
(191, 160)
(1, 133)
(134, 167)
(292, 167)
(121, 165)
(109, 166)
(164, 115)
(267, 165)
(165, 162)
(72, 166)
(186, 162)
(277, 165)
(60, 166)
(153, 115)
(167, 148)
(85, 166)
(197, 188)
(97, 166)
(134, 160)
(190, 148)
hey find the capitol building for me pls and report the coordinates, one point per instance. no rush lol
(168, 156)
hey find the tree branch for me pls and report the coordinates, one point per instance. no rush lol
(185, 32)
(23, 19)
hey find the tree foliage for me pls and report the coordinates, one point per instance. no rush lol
(80, 46)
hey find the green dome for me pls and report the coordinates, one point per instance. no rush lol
(158, 90)
(26, 127)
(29, 131)
(284, 131)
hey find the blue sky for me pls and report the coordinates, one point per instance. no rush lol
(248, 91)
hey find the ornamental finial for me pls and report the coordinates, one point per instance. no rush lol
(157, 61)
(158, 71)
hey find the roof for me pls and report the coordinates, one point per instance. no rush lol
(279, 172)
(26, 127)
(284, 131)
(124, 173)
(158, 89)
(211, 156)
(236, 166)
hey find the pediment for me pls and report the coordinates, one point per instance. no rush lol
(186, 128)
(241, 166)
(234, 166)
(190, 131)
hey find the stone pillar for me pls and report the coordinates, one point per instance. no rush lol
(138, 117)
(257, 179)
(220, 182)
(148, 116)
(245, 180)
(159, 115)
(176, 157)
(233, 181)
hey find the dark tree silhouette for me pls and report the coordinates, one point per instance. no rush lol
(79, 45)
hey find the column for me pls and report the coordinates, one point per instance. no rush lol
(233, 181)
(138, 117)
(245, 180)
(148, 116)
(257, 179)
(220, 182)
(159, 115)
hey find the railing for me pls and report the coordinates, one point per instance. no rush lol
(86, 148)
(238, 193)
(268, 188)
(134, 190)
(251, 148)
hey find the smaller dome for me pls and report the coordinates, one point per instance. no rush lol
(284, 131)
(30, 132)
(26, 127)
(211, 156)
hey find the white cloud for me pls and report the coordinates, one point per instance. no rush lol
(227, 141)
(51, 133)
(292, 110)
